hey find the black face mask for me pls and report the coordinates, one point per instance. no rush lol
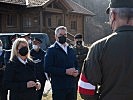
(79, 43)
(23, 51)
(62, 39)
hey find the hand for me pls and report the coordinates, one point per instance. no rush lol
(38, 86)
(31, 84)
(70, 71)
(75, 73)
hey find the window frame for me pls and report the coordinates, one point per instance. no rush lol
(73, 25)
(11, 20)
(27, 21)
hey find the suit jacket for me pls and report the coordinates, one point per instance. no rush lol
(56, 63)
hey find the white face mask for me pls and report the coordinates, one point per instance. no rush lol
(29, 41)
(35, 47)
(1, 48)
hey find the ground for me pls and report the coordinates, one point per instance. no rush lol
(48, 92)
(49, 97)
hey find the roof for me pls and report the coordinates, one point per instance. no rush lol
(19, 2)
(28, 3)
(35, 3)
(76, 8)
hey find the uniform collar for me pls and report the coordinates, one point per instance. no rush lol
(124, 28)
(35, 50)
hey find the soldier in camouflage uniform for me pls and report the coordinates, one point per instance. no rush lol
(81, 53)
(80, 50)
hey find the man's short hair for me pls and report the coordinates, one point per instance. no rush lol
(37, 39)
(123, 12)
(58, 28)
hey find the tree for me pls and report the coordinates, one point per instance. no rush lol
(96, 27)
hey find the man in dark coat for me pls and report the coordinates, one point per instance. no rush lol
(60, 62)
(37, 55)
(110, 60)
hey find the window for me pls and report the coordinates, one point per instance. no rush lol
(73, 25)
(49, 22)
(27, 22)
(11, 20)
(59, 22)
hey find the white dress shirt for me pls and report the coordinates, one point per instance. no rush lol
(64, 47)
(22, 61)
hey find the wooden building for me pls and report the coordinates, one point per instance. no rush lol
(42, 16)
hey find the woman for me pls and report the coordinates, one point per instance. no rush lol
(20, 76)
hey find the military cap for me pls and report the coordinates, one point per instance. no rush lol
(78, 36)
(37, 39)
(14, 36)
(119, 4)
(24, 35)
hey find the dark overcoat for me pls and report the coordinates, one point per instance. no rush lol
(56, 63)
(16, 77)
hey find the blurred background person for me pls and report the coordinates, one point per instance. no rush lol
(27, 36)
(3, 92)
(80, 50)
(20, 77)
(8, 52)
(37, 54)
(81, 53)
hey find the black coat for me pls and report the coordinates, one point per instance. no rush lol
(1, 67)
(7, 56)
(38, 58)
(16, 77)
(56, 63)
